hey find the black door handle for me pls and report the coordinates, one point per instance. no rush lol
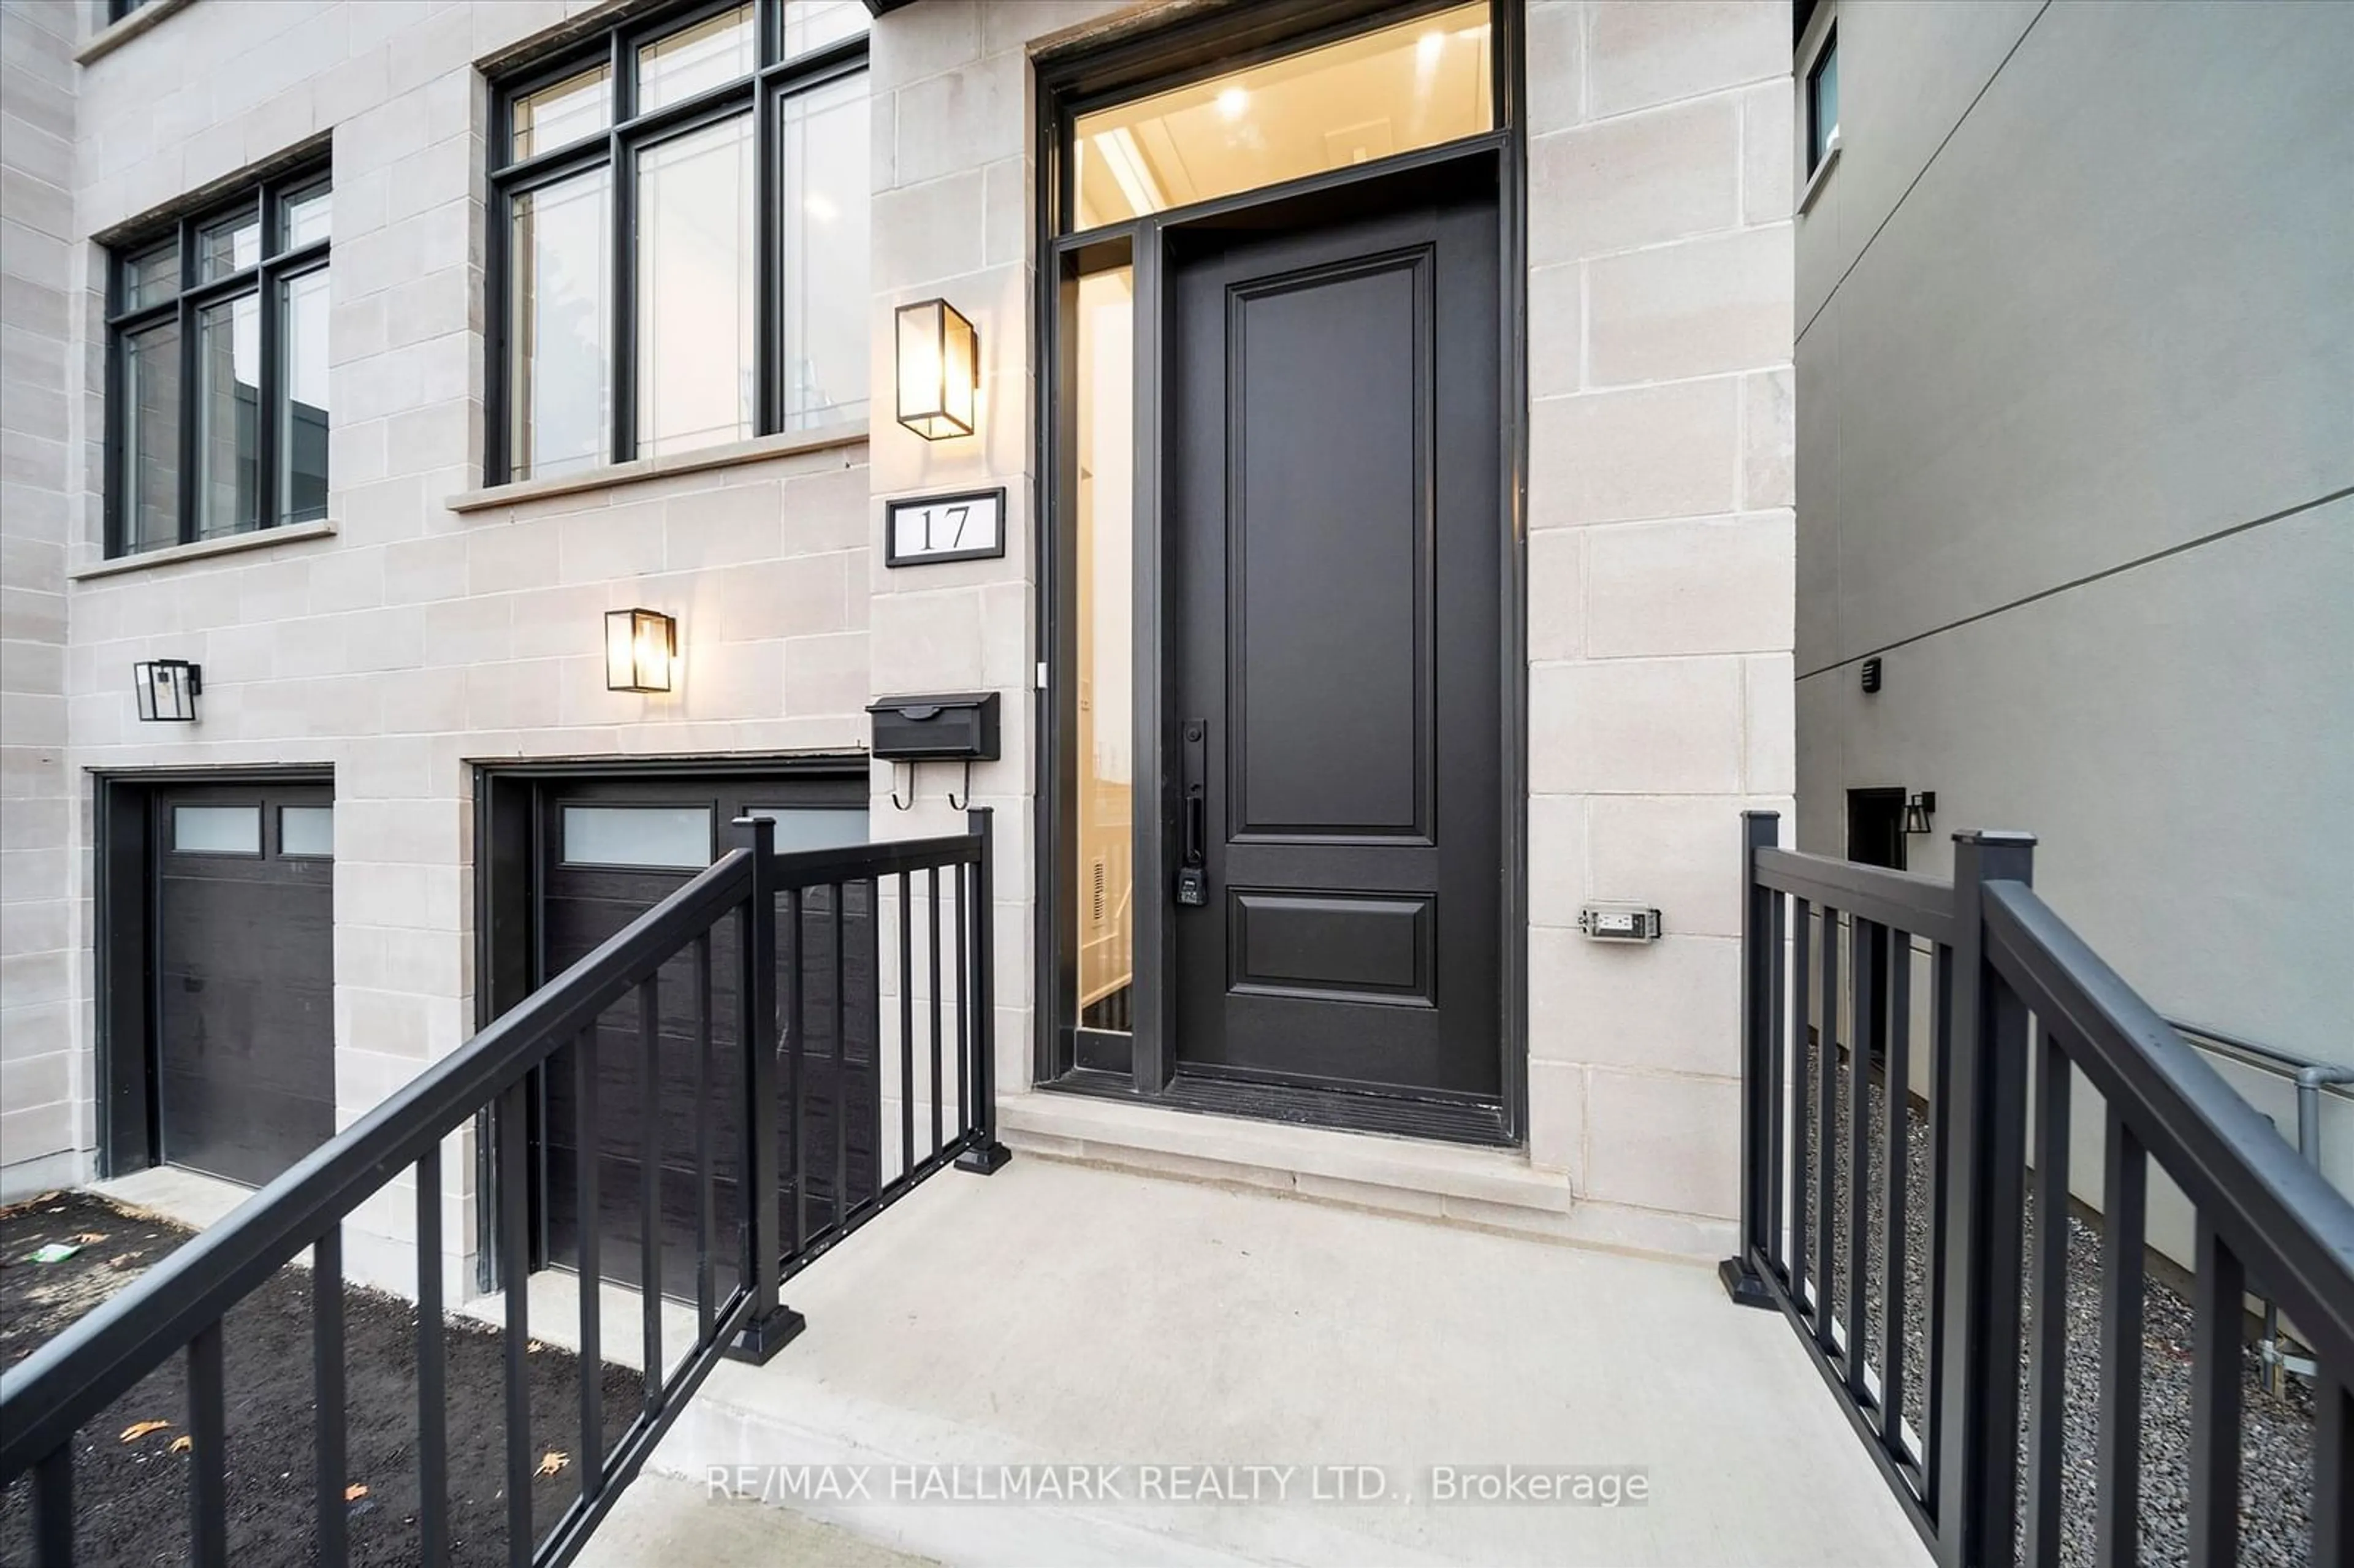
(1194, 815)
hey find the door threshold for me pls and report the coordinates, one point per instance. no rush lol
(1343, 1110)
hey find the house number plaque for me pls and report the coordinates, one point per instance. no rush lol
(968, 527)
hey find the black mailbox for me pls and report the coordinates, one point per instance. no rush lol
(959, 727)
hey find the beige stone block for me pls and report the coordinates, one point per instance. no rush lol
(1556, 594)
(1636, 727)
(827, 510)
(926, 641)
(925, 233)
(1768, 439)
(1665, 1143)
(1640, 52)
(346, 579)
(1671, 1006)
(1650, 451)
(1557, 1119)
(464, 631)
(827, 675)
(962, 119)
(907, 47)
(1771, 762)
(1680, 854)
(1556, 330)
(503, 556)
(1699, 308)
(520, 696)
(1554, 44)
(1689, 585)
(724, 528)
(1557, 858)
(417, 571)
(570, 622)
(617, 542)
(1769, 173)
(1639, 181)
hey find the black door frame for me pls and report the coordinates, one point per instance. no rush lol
(1094, 74)
(127, 979)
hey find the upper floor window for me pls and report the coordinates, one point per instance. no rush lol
(216, 412)
(1822, 102)
(679, 244)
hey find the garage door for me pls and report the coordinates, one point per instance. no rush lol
(610, 851)
(245, 900)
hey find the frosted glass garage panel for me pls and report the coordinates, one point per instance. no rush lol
(308, 830)
(216, 829)
(669, 838)
(805, 828)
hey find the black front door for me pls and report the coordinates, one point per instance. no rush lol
(1334, 559)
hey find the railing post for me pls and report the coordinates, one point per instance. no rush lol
(978, 995)
(1983, 1189)
(772, 1324)
(1759, 959)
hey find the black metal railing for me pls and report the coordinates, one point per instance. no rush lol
(818, 1142)
(1923, 1330)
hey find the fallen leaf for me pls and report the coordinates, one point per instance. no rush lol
(88, 1238)
(138, 1429)
(354, 1492)
(182, 1444)
(533, 1347)
(553, 1461)
(44, 1198)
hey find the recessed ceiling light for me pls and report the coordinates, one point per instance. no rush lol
(1232, 101)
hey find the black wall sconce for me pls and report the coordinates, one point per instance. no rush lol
(638, 646)
(1918, 809)
(940, 369)
(167, 689)
(1871, 676)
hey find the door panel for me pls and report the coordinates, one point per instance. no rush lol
(245, 978)
(1334, 571)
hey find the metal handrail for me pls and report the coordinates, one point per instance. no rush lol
(181, 1305)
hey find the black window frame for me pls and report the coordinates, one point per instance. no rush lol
(116, 10)
(1819, 135)
(266, 199)
(761, 92)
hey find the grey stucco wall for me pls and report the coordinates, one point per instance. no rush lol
(2075, 386)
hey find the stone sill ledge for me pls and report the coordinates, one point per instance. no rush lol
(204, 549)
(614, 476)
(115, 34)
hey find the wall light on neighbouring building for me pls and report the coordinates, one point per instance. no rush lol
(638, 646)
(1918, 809)
(939, 370)
(167, 689)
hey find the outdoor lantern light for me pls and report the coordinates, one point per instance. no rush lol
(939, 370)
(639, 644)
(167, 689)
(1918, 809)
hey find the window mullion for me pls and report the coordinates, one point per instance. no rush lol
(189, 414)
(623, 201)
(267, 386)
(767, 255)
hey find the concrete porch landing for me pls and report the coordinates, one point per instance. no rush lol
(1056, 1313)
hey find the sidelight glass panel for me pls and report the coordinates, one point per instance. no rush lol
(149, 481)
(813, 23)
(577, 106)
(228, 416)
(559, 400)
(668, 837)
(216, 829)
(697, 359)
(694, 58)
(823, 315)
(1105, 573)
(814, 826)
(307, 831)
(302, 406)
(1393, 89)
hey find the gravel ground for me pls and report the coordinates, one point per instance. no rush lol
(2276, 1433)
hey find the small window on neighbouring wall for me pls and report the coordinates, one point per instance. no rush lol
(1822, 102)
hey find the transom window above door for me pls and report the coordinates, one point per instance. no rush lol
(680, 237)
(1372, 95)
